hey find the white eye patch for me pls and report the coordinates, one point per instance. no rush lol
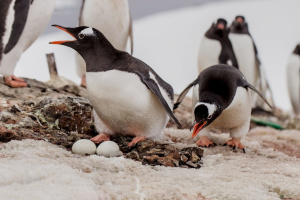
(87, 31)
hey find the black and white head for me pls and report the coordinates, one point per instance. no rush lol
(219, 27)
(87, 41)
(205, 113)
(239, 23)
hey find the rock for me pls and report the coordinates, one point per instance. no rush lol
(83, 147)
(109, 149)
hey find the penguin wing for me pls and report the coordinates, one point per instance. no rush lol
(183, 94)
(21, 9)
(152, 85)
(248, 85)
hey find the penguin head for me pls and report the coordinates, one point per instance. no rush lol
(239, 23)
(205, 113)
(221, 24)
(86, 39)
(220, 27)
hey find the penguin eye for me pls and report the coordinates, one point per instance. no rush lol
(81, 35)
(209, 117)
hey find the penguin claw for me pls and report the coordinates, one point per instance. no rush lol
(135, 141)
(100, 138)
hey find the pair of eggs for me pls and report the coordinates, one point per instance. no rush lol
(107, 148)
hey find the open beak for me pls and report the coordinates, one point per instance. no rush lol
(197, 128)
(64, 29)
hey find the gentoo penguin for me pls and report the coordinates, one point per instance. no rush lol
(21, 22)
(112, 18)
(293, 81)
(221, 100)
(127, 95)
(247, 58)
(216, 47)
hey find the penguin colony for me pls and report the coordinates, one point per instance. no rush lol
(128, 96)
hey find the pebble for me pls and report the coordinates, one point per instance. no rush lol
(84, 146)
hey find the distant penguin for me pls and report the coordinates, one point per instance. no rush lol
(216, 47)
(247, 58)
(293, 79)
(127, 95)
(112, 18)
(221, 100)
(21, 22)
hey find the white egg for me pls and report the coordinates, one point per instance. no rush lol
(84, 146)
(108, 149)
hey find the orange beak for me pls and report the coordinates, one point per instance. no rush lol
(60, 42)
(197, 128)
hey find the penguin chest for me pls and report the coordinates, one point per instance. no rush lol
(244, 51)
(209, 53)
(125, 104)
(236, 114)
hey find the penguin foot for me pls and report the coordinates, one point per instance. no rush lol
(235, 143)
(100, 138)
(14, 81)
(136, 140)
(205, 142)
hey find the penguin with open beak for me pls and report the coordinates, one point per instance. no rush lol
(221, 100)
(128, 96)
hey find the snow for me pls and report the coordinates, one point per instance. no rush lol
(169, 41)
(39, 170)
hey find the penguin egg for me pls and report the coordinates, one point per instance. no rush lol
(108, 149)
(84, 146)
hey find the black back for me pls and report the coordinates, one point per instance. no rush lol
(21, 8)
(227, 50)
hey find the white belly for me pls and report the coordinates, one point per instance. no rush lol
(209, 52)
(293, 75)
(125, 105)
(244, 51)
(236, 114)
(38, 17)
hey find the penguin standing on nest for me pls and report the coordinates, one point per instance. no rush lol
(221, 100)
(127, 95)
(21, 22)
(112, 18)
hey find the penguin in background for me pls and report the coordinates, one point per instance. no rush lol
(293, 81)
(21, 22)
(216, 47)
(127, 95)
(247, 57)
(221, 101)
(112, 18)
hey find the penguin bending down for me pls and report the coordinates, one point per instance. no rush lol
(247, 58)
(127, 95)
(221, 100)
(216, 47)
(293, 79)
(112, 18)
(21, 22)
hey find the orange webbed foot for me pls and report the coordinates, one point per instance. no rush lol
(205, 142)
(14, 81)
(100, 138)
(235, 143)
(136, 140)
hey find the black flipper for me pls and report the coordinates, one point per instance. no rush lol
(151, 84)
(183, 94)
(248, 85)
(21, 12)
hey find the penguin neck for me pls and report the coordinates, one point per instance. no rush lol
(101, 57)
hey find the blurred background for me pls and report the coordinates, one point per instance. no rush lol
(167, 35)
